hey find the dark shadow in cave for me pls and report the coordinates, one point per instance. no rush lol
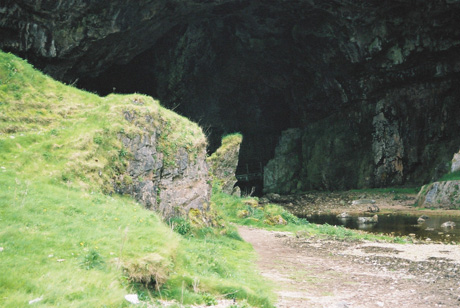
(260, 117)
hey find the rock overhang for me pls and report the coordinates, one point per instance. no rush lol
(261, 67)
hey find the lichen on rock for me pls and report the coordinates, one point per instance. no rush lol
(444, 195)
(167, 169)
(224, 161)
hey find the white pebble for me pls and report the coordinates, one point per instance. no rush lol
(132, 298)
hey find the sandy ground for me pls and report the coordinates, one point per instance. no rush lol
(313, 272)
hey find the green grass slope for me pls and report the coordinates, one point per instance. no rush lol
(66, 239)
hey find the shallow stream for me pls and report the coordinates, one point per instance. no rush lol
(398, 225)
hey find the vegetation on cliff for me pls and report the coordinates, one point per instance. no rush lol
(224, 161)
(66, 239)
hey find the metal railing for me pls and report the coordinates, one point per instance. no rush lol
(250, 172)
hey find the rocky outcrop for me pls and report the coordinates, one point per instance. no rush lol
(455, 162)
(445, 195)
(166, 175)
(371, 86)
(395, 142)
(281, 173)
(223, 163)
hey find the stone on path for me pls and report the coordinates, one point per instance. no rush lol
(132, 298)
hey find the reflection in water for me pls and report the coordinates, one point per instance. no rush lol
(397, 224)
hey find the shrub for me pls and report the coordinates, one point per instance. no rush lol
(179, 225)
(92, 260)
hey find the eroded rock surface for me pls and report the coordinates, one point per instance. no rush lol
(224, 161)
(372, 86)
(172, 184)
(444, 195)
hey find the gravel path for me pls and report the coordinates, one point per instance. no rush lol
(313, 272)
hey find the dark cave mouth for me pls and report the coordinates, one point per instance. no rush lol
(258, 143)
(258, 111)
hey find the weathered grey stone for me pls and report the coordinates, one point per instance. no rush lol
(368, 220)
(224, 161)
(373, 85)
(388, 150)
(440, 195)
(281, 172)
(455, 162)
(448, 224)
(171, 189)
(344, 215)
(363, 201)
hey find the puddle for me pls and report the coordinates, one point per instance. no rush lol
(397, 224)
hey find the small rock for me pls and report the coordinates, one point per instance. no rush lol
(380, 304)
(1, 249)
(420, 220)
(341, 305)
(36, 300)
(368, 220)
(344, 215)
(363, 201)
(448, 224)
(60, 260)
(132, 298)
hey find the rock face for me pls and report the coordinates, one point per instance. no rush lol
(444, 195)
(224, 161)
(281, 175)
(171, 185)
(369, 87)
(455, 163)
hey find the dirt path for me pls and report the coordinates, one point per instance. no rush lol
(313, 272)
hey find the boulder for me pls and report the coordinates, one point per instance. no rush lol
(448, 225)
(368, 220)
(444, 195)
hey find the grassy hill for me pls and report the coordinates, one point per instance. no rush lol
(66, 238)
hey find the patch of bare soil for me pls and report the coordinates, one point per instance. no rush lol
(314, 272)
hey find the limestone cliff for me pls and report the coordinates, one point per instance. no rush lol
(371, 86)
